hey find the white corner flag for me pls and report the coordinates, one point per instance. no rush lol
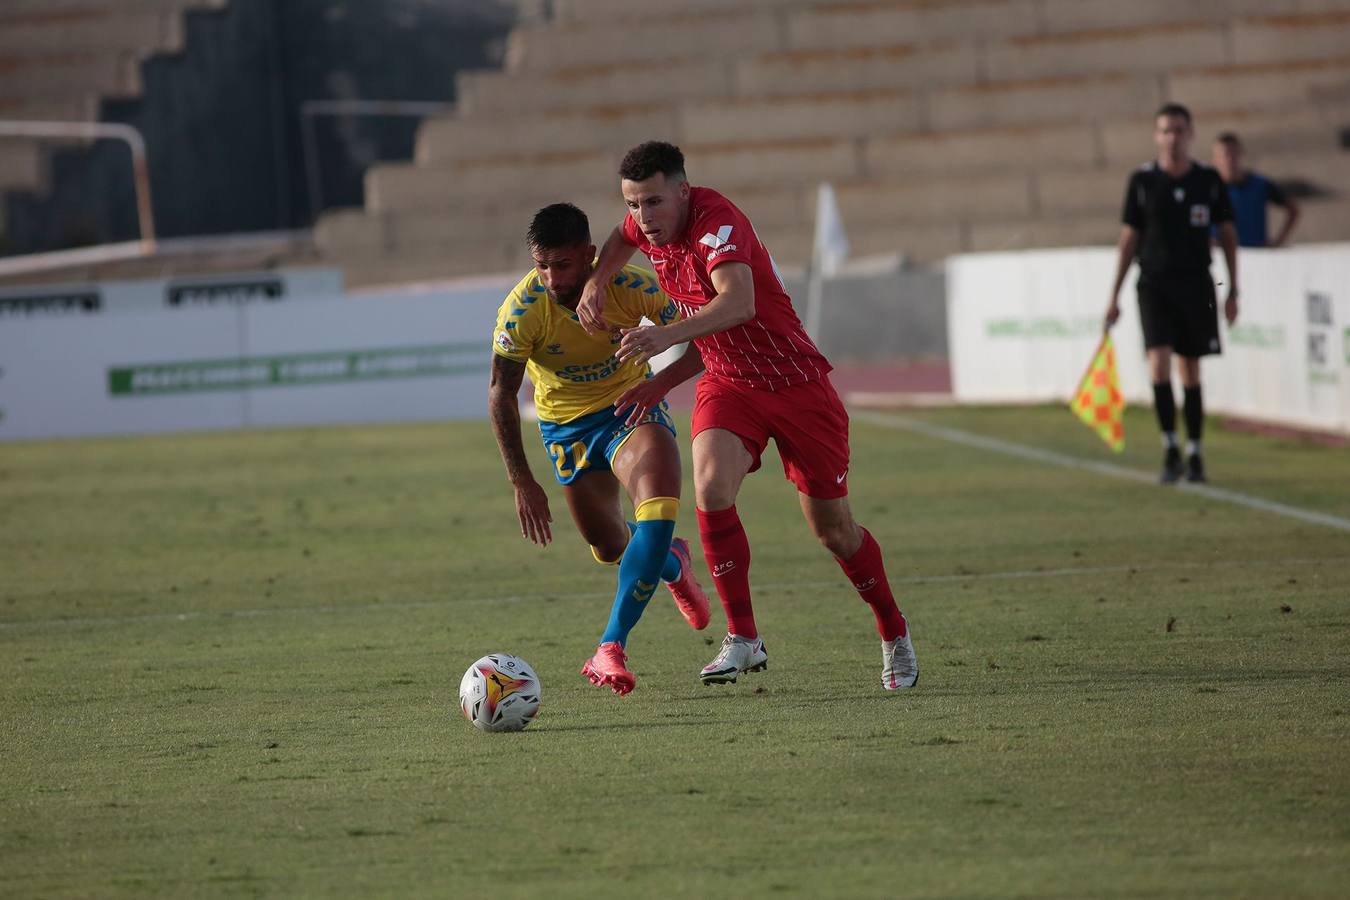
(828, 252)
(831, 244)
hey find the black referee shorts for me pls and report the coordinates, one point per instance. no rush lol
(1179, 311)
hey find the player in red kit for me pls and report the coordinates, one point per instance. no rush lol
(764, 379)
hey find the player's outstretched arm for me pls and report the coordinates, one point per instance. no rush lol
(531, 501)
(1228, 240)
(614, 255)
(1125, 249)
(639, 399)
(733, 305)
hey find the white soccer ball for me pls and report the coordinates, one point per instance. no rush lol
(499, 692)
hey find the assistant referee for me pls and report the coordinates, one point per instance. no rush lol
(1171, 204)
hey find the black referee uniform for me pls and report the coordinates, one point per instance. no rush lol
(1174, 217)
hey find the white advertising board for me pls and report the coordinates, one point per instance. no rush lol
(178, 292)
(347, 358)
(1022, 326)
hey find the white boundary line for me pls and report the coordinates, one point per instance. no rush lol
(837, 583)
(1050, 457)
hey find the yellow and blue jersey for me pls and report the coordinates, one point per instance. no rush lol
(576, 373)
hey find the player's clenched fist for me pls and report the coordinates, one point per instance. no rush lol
(591, 307)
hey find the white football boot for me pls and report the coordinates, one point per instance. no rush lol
(738, 655)
(899, 665)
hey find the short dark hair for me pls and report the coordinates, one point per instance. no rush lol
(1173, 109)
(559, 225)
(1229, 139)
(652, 158)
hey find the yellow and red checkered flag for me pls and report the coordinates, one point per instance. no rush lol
(1098, 401)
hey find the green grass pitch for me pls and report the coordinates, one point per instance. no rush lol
(229, 666)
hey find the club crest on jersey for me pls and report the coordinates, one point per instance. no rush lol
(1179, 194)
(1200, 215)
(555, 349)
(504, 342)
(719, 243)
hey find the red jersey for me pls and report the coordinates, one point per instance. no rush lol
(772, 350)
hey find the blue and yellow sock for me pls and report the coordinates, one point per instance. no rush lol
(671, 571)
(643, 564)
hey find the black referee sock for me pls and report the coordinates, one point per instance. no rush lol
(1165, 405)
(1193, 410)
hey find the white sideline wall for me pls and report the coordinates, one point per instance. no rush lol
(1022, 327)
(396, 356)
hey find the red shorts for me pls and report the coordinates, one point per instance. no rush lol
(807, 421)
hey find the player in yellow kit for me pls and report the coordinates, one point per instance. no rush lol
(603, 422)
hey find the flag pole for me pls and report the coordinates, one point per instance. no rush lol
(815, 289)
(1106, 336)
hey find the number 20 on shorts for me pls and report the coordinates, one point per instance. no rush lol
(568, 460)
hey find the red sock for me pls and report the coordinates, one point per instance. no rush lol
(727, 552)
(868, 574)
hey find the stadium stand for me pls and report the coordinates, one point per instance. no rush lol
(60, 58)
(945, 126)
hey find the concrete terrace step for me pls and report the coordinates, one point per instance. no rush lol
(443, 140)
(584, 11)
(403, 186)
(14, 10)
(826, 116)
(21, 165)
(1292, 38)
(1061, 16)
(933, 200)
(1169, 46)
(819, 116)
(1326, 173)
(1258, 86)
(1051, 16)
(857, 69)
(1296, 128)
(987, 150)
(744, 165)
(146, 30)
(1053, 231)
(863, 25)
(375, 272)
(1058, 150)
(878, 66)
(110, 73)
(794, 27)
(621, 84)
(509, 212)
(83, 108)
(928, 243)
(1323, 221)
(1135, 50)
(551, 47)
(858, 26)
(1061, 100)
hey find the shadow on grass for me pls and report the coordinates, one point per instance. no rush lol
(619, 726)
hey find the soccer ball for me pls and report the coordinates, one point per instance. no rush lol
(499, 692)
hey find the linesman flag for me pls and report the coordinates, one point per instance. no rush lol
(1098, 401)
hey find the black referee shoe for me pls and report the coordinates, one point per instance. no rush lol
(1172, 468)
(1195, 469)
